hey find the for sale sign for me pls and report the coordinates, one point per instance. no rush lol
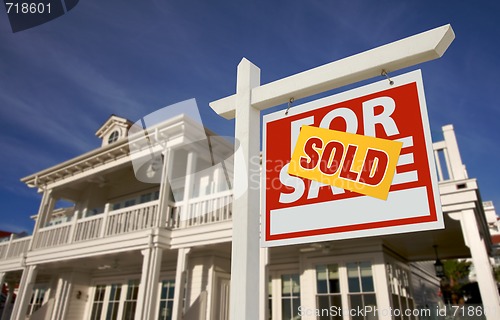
(356, 164)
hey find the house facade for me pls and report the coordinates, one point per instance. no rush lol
(148, 236)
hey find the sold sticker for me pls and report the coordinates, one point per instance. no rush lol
(358, 163)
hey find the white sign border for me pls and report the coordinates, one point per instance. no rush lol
(410, 77)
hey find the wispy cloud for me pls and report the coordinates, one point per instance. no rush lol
(15, 228)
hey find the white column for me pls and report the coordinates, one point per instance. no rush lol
(62, 296)
(141, 295)
(456, 169)
(154, 278)
(481, 261)
(382, 284)
(7, 252)
(215, 187)
(180, 278)
(46, 214)
(8, 301)
(164, 192)
(71, 236)
(24, 293)
(188, 188)
(264, 284)
(104, 223)
(148, 289)
(46, 206)
(2, 279)
(307, 273)
(246, 208)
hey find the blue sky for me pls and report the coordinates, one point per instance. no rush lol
(60, 81)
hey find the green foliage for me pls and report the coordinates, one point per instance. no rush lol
(456, 273)
(497, 273)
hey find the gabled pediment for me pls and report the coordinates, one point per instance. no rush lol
(113, 129)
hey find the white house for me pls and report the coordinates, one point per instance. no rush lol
(130, 249)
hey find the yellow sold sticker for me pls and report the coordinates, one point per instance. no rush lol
(350, 161)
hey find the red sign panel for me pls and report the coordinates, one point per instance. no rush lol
(299, 210)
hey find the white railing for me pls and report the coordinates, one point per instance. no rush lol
(198, 211)
(14, 248)
(52, 236)
(206, 209)
(4, 248)
(133, 218)
(173, 215)
(88, 228)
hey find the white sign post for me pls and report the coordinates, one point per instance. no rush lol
(245, 106)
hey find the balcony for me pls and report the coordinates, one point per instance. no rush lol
(202, 211)
(14, 248)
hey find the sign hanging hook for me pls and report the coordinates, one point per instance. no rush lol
(289, 105)
(384, 73)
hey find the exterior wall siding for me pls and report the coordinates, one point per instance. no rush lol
(79, 297)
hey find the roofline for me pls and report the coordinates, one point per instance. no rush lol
(121, 145)
(34, 176)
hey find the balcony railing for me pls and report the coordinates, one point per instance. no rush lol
(110, 223)
(14, 248)
(202, 210)
(88, 228)
(132, 219)
(52, 236)
(196, 212)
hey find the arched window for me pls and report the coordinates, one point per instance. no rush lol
(113, 137)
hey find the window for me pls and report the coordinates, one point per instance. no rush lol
(98, 302)
(136, 199)
(94, 211)
(270, 299)
(361, 289)
(400, 289)
(328, 291)
(290, 296)
(114, 301)
(284, 294)
(129, 203)
(131, 300)
(166, 300)
(113, 137)
(36, 300)
(145, 197)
